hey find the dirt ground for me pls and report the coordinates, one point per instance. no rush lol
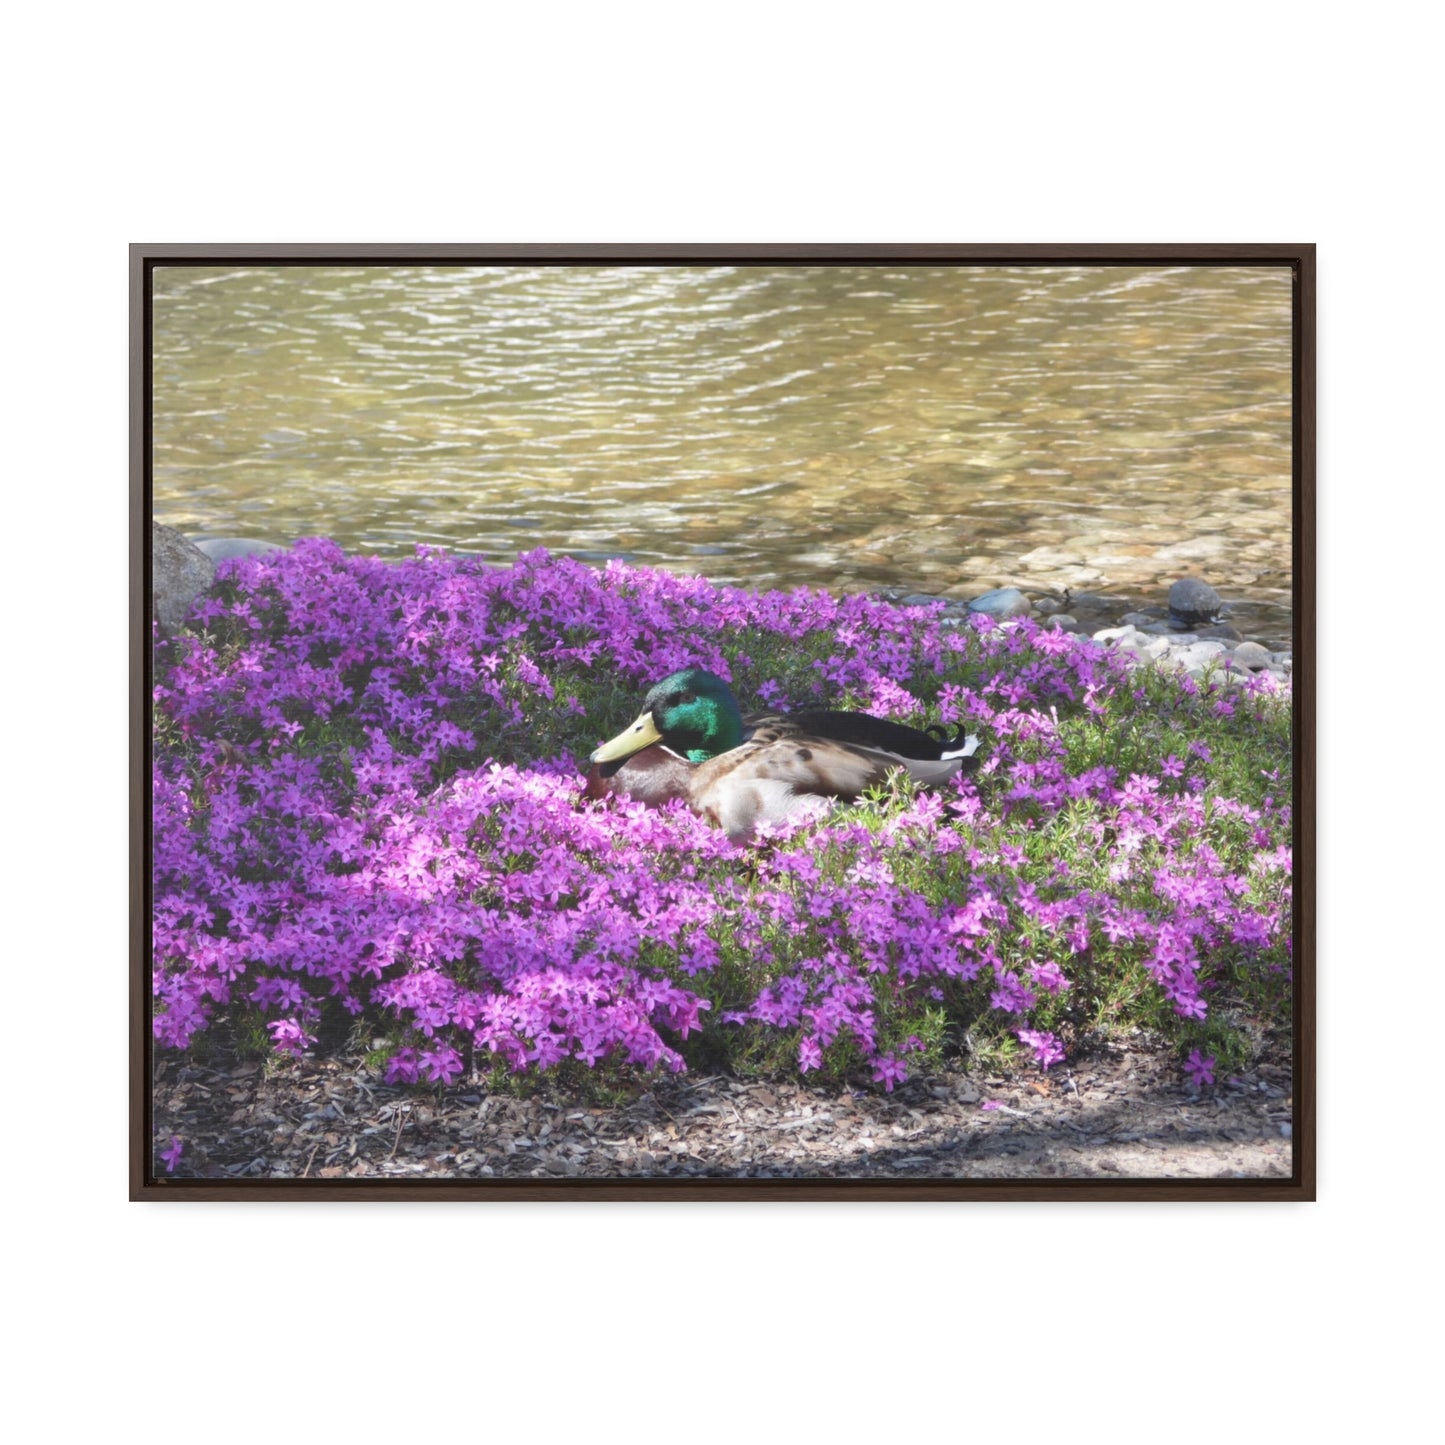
(1124, 1113)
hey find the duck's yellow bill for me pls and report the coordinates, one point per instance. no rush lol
(643, 733)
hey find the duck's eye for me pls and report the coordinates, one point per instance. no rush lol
(684, 698)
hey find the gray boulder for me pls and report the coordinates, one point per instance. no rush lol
(1197, 655)
(1252, 656)
(1001, 602)
(1192, 600)
(180, 572)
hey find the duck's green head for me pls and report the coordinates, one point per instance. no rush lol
(692, 712)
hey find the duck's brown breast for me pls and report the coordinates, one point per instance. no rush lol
(654, 776)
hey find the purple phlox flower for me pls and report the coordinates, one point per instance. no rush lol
(401, 1067)
(1140, 788)
(810, 1054)
(1048, 1051)
(1012, 995)
(888, 1071)
(442, 1064)
(988, 1105)
(288, 1036)
(1188, 1005)
(172, 1153)
(1048, 977)
(1199, 1068)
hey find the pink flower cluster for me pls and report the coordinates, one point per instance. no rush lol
(367, 799)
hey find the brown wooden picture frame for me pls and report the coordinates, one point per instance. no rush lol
(1299, 259)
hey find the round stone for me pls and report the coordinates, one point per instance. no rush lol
(1193, 600)
(1062, 622)
(1196, 655)
(1001, 602)
(1251, 655)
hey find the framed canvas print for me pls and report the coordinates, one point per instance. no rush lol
(736, 721)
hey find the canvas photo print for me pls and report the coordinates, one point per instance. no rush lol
(796, 722)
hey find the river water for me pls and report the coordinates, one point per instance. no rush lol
(940, 428)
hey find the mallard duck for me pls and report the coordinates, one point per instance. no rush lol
(692, 742)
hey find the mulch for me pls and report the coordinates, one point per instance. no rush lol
(1124, 1112)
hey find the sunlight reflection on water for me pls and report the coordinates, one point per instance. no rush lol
(941, 428)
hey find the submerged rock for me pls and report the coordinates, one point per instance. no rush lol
(1223, 631)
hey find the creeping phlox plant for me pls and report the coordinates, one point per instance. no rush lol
(367, 806)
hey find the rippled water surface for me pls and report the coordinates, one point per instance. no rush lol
(946, 429)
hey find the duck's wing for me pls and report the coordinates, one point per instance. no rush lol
(812, 764)
(859, 729)
(769, 780)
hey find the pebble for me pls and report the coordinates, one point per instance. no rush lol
(1063, 622)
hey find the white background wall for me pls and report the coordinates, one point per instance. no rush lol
(1047, 122)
